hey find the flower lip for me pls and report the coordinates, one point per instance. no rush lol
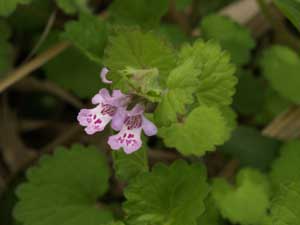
(109, 108)
(129, 137)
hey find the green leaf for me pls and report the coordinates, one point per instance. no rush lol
(73, 6)
(89, 34)
(211, 216)
(274, 104)
(291, 8)
(134, 49)
(233, 37)
(183, 4)
(75, 72)
(130, 166)
(36, 14)
(168, 195)
(64, 188)
(5, 30)
(287, 168)
(247, 202)
(181, 84)
(145, 13)
(251, 148)
(6, 57)
(217, 81)
(285, 208)
(172, 33)
(8, 6)
(203, 129)
(245, 103)
(281, 66)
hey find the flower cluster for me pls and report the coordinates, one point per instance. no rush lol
(114, 108)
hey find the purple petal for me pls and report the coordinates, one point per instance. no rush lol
(118, 119)
(93, 119)
(102, 96)
(149, 128)
(103, 74)
(137, 110)
(130, 140)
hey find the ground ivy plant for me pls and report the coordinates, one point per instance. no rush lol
(141, 79)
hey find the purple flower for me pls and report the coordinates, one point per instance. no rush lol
(103, 74)
(130, 135)
(108, 108)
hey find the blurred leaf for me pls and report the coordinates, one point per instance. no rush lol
(211, 215)
(244, 102)
(281, 66)
(274, 104)
(75, 72)
(285, 209)
(207, 7)
(202, 130)
(89, 34)
(6, 57)
(5, 30)
(145, 13)
(247, 202)
(64, 188)
(216, 81)
(73, 6)
(285, 175)
(251, 148)
(182, 4)
(167, 195)
(8, 6)
(291, 8)
(287, 168)
(130, 166)
(36, 15)
(233, 37)
(173, 33)
(8, 200)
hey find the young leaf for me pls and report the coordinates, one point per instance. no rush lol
(73, 6)
(89, 34)
(130, 166)
(181, 84)
(251, 148)
(64, 188)
(217, 80)
(75, 72)
(291, 8)
(287, 168)
(247, 203)
(203, 129)
(281, 66)
(167, 195)
(233, 37)
(138, 12)
(134, 49)
(8, 6)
